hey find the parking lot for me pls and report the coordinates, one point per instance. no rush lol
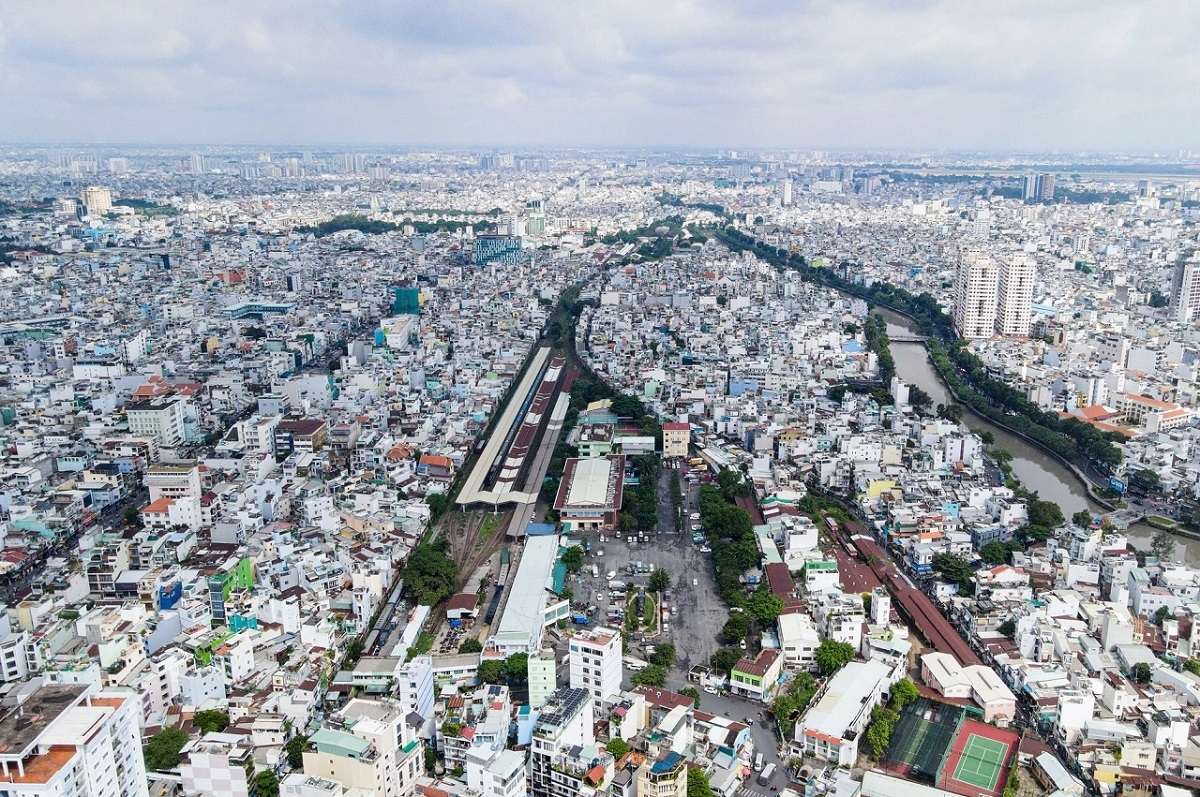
(699, 611)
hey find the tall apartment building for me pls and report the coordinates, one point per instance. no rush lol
(565, 723)
(97, 199)
(415, 685)
(367, 745)
(73, 741)
(1036, 187)
(174, 480)
(1185, 292)
(595, 657)
(1015, 295)
(975, 294)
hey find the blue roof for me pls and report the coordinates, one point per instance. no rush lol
(539, 529)
(852, 346)
(667, 763)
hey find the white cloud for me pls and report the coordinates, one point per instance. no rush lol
(918, 73)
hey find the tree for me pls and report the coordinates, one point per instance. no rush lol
(572, 558)
(836, 393)
(1192, 666)
(516, 668)
(952, 568)
(732, 485)
(736, 627)
(430, 574)
(1008, 628)
(470, 645)
(210, 721)
(664, 655)
(693, 693)
(132, 516)
(1162, 546)
(295, 751)
(653, 675)
(660, 580)
(1145, 479)
(1082, 518)
(726, 659)
(764, 606)
(697, 783)
(1162, 614)
(437, 503)
(1141, 673)
(617, 747)
(919, 399)
(831, 656)
(903, 693)
(162, 751)
(954, 414)
(994, 553)
(490, 672)
(266, 784)
(1045, 513)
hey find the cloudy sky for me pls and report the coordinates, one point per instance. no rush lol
(1000, 74)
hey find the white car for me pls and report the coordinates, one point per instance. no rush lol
(711, 690)
(600, 552)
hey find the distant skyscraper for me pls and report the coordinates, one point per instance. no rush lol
(97, 199)
(786, 196)
(118, 165)
(1185, 292)
(354, 163)
(1017, 272)
(1036, 187)
(975, 290)
(196, 163)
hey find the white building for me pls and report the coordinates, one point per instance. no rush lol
(543, 677)
(975, 294)
(1017, 272)
(73, 741)
(834, 725)
(415, 685)
(1185, 291)
(565, 722)
(159, 418)
(97, 199)
(595, 658)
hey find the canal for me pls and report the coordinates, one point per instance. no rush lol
(1037, 470)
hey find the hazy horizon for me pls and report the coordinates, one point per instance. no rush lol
(929, 75)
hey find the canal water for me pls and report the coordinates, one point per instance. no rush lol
(1037, 471)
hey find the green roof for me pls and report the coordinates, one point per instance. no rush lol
(339, 743)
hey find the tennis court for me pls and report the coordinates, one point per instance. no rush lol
(981, 762)
(921, 740)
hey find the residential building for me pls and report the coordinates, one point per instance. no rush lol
(835, 723)
(1015, 295)
(975, 294)
(676, 437)
(595, 656)
(367, 745)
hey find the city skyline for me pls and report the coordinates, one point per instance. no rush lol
(1095, 76)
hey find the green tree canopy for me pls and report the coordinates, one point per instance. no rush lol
(210, 721)
(697, 783)
(572, 558)
(430, 575)
(693, 693)
(1008, 628)
(653, 675)
(994, 553)
(516, 668)
(903, 693)
(470, 645)
(725, 659)
(1141, 673)
(617, 747)
(660, 580)
(953, 568)
(664, 655)
(1162, 546)
(764, 606)
(295, 751)
(736, 627)
(266, 784)
(831, 656)
(1082, 518)
(1045, 513)
(162, 751)
(490, 671)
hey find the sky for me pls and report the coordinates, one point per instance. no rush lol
(1096, 75)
